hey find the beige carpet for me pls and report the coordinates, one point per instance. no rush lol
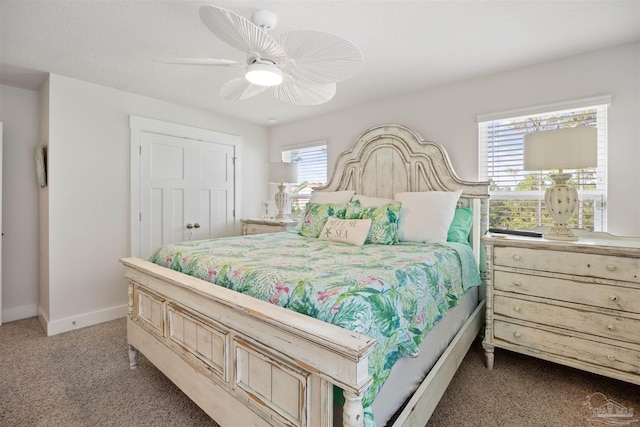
(82, 378)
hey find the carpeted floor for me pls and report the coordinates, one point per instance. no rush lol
(82, 378)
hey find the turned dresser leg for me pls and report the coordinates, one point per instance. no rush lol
(352, 411)
(133, 357)
(489, 354)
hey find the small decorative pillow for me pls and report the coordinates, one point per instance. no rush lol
(384, 221)
(316, 215)
(352, 231)
(426, 215)
(331, 196)
(460, 226)
(366, 201)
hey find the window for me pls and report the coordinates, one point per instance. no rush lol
(517, 195)
(312, 173)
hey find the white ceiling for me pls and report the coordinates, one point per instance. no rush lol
(407, 45)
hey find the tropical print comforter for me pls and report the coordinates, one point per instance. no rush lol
(393, 293)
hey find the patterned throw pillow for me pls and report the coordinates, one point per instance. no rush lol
(384, 221)
(316, 215)
(351, 231)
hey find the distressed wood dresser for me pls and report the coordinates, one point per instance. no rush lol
(574, 303)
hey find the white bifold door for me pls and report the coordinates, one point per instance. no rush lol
(187, 190)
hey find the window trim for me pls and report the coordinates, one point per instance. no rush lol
(545, 108)
(303, 145)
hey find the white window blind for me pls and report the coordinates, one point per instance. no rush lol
(312, 173)
(517, 195)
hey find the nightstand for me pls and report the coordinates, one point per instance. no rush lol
(262, 225)
(574, 303)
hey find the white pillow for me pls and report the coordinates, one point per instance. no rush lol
(426, 216)
(352, 231)
(371, 202)
(331, 196)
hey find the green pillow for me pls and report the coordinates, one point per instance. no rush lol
(316, 214)
(384, 221)
(460, 226)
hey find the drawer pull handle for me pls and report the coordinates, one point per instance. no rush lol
(611, 267)
(611, 327)
(516, 257)
(611, 357)
(613, 298)
(516, 283)
(516, 309)
(516, 334)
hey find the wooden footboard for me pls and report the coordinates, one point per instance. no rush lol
(242, 360)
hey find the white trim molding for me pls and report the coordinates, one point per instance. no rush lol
(557, 106)
(17, 313)
(80, 321)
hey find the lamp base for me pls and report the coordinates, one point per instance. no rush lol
(282, 200)
(560, 233)
(561, 200)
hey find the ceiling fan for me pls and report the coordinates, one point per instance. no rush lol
(300, 67)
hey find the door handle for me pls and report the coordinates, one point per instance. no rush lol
(189, 226)
(196, 225)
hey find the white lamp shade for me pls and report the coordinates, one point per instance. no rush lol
(566, 148)
(263, 74)
(282, 172)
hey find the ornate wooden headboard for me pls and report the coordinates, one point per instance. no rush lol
(389, 159)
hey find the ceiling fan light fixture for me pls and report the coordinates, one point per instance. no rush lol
(263, 74)
(312, 61)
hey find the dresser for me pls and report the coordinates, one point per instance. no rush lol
(262, 225)
(574, 303)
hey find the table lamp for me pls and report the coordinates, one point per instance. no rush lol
(566, 148)
(282, 173)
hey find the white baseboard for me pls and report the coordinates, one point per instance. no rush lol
(82, 320)
(18, 313)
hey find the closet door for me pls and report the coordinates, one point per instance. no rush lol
(186, 190)
(183, 184)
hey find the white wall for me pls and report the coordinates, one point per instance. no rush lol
(447, 115)
(19, 112)
(88, 192)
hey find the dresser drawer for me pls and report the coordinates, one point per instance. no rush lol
(261, 229)
(604, 325)
(592, 352)
(591, 265)
(593, 294)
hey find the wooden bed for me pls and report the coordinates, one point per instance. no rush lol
(246, 362)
